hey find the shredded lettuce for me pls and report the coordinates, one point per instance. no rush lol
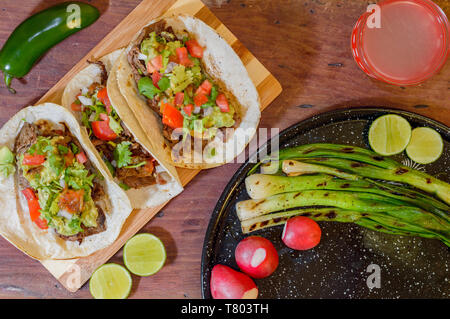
(149, 45)
(77, 177)
(197, 76)
(180, 78)
(115, 125)
(219, 119)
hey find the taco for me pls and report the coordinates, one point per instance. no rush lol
(121, 144)
(57, 202)
(182, 72)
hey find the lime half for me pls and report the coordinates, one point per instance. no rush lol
(144, 254)
(389, 134)
(425, 146)
(110, 281)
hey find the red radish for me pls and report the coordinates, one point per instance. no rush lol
(227, 283)
(301, 233)
(256, 256)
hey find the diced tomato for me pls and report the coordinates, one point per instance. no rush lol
(157, 62)
(71, 200)
(188, 109)
(102, 95)
(161, 107)
(150, 67)
(174, 59)
(29, 194)
(76, 107)
(34, 208)
(33, 159)
(148, 167)
(102, 130)
(179, 98)
(104, 117)
(41, 223)
(183, 57)
(200, 99)
(156, 76)
(68, 158)
(172, 117)
(204, 88)
(81, 157)
(195, 49)
(222, 103)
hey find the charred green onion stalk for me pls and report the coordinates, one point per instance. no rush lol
(329, 182)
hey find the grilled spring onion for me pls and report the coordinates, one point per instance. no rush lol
(362, 162)
(330, 182)
(376, 221)
(260, 186)
(361, 202)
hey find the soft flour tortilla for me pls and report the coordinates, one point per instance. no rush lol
(222, 64)
(15, 223)
(145, 197)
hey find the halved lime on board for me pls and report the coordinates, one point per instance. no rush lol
(144, 254)
(425, 146)
(110, 281)
(389, 134)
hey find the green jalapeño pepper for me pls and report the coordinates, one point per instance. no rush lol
(40, 32)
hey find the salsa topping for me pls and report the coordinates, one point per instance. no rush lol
(168, 70)
(61, 188)
(124, 157)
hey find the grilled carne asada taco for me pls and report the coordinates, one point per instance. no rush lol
(121, 144)
(56, 202)
(182, 72)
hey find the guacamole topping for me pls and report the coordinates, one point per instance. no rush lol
(61, 183)
(6, 162)
(175, 81)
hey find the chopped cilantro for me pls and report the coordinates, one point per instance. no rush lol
(62, 149)
(147, 88)
(124, 186)
(122, 154)
(164, 84)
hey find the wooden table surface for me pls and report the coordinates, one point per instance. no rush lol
(304, 43)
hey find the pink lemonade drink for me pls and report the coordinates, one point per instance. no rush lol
(401, 42)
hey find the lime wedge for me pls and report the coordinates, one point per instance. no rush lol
(389, 134)
(425, 146)
(110, 281)
(144, 254)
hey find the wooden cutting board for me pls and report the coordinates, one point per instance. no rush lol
(72, 274)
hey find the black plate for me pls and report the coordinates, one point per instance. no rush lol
(411, 267)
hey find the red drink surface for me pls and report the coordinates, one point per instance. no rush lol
(411, 44)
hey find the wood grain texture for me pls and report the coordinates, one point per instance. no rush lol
(301, 42)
